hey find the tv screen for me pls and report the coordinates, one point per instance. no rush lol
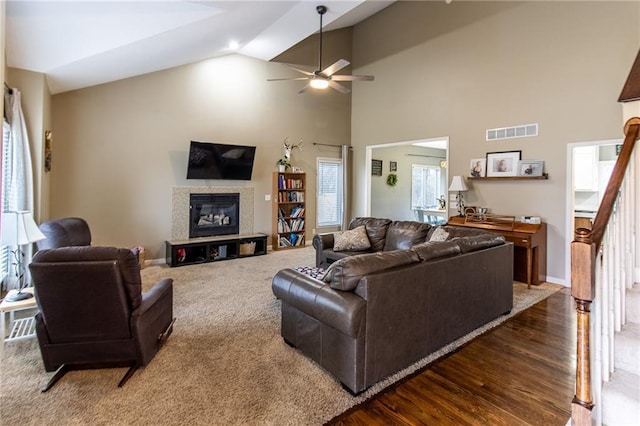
(220, 161)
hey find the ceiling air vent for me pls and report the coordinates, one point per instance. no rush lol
(513, 132)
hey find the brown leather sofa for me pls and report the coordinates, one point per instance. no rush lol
(384, 235)
(374, 314)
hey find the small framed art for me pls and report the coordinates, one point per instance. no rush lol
(503, 163)
(393, 166)
(376, 167)
(530, 168)
(478, 167)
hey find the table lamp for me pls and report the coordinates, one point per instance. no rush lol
(18, 229)
(458, 184)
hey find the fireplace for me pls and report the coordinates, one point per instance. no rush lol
(214, 214)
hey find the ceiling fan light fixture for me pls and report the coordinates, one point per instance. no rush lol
(319, 83)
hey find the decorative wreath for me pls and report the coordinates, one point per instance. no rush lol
(392, 179)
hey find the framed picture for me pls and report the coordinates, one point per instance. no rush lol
(393, 166)
(376, 167)
(530, 168)
(478, 167)
(503, 163)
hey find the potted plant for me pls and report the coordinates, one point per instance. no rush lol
(283, 164)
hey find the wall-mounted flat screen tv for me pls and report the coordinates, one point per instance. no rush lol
(209, 160)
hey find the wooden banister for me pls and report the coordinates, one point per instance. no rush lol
(584, 250)
(632, 129)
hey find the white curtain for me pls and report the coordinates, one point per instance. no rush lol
(19, 171)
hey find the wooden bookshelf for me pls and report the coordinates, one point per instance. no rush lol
(288, 210)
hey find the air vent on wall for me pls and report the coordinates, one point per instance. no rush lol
(513, 132)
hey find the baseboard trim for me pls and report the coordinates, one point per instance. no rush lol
(150, 262)
(554, 280)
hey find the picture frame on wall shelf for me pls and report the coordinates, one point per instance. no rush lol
(503, 163)
(478, 167)
(530, 168)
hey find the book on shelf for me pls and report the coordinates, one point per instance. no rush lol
(297, 211)
(297, 224)
(285, 242)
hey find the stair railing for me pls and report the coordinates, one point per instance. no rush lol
(602, 264)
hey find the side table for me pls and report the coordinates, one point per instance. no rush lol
(22, 328)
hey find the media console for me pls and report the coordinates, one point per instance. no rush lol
(213, 249)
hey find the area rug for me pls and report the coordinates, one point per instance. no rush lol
(224, 364)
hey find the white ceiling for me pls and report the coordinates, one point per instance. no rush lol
(81, 43)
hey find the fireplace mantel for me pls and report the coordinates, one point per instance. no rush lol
(180, 207)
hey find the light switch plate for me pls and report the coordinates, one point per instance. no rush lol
(267, 197)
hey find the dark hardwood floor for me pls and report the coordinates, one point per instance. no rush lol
(520, 373)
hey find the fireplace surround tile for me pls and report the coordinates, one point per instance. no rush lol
(180, 207)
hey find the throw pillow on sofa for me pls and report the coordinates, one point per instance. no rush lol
(353, 240)
(439, 234)
(376, 230)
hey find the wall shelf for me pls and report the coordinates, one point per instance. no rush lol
(544, 176)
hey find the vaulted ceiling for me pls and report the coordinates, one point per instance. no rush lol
(81, 43)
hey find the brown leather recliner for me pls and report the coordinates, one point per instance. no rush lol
(93, 313)
(68, 232)
(65, 232)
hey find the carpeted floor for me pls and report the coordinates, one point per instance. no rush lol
(224, 364)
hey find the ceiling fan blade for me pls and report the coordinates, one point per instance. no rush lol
(290, 78)
(352, 77)
(334, 68)
(304, 89)
(339, 87)
(305, 72)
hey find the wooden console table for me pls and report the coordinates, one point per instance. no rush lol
(529, 241)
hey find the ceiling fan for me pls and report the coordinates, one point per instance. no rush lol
(323, 78)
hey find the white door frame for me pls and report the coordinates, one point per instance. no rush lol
(369, 156)
(570, 205)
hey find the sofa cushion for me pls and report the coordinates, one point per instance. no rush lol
(436, 249)
(352, 240)
(402, 235)
(346, 273)
(478, 242)
(439, 234)
(460, 231)
(376, 230)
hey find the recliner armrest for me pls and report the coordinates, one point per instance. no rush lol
(159, 290)
(152, 318)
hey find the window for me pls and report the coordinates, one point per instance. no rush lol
(5, 193)
(425, 186)
(329, 202)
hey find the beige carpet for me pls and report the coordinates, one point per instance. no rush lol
(225, 363)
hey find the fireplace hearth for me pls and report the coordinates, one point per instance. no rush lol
(214, 214)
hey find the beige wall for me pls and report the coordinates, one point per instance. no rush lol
(120, 147)
(459, 69)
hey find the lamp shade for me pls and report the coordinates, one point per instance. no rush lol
(18, 228)
(458, 184)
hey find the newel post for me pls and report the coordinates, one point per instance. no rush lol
(583, 291)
